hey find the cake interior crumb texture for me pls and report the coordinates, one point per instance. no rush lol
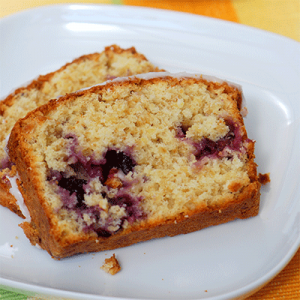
(83, 72)
(134, 160)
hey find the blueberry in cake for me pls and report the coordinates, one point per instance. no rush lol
(134, 159)
(84, 71)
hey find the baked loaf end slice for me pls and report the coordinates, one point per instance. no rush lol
(84, 71)
(133, 160)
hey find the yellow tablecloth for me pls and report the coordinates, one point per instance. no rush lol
(277, 16)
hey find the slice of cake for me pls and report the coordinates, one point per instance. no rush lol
(83, 72)
(134, 159)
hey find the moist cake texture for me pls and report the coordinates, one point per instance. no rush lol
(84, 71)
(132, 160)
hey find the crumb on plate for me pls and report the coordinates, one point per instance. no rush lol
(111, 265)
(264, 178)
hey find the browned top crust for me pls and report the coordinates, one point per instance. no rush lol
(109, 51)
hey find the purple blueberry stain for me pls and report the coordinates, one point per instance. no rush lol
(82, 163)
(214, 149)
(131, 205)
(72, 189)
(117, 160)
(5, 163)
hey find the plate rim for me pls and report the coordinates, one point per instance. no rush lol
(257, 284)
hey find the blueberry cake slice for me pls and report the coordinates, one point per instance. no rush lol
(134, 159)
(84, 71)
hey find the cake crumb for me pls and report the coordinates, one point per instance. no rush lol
(111, 265)
(264, 178)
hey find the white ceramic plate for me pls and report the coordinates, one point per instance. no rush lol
(223, 262)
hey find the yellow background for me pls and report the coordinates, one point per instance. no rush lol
(278, 16)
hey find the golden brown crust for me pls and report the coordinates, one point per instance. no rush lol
(43, 229)
(40, 84)
(8, 200)
(245, 208)
(30, 233)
